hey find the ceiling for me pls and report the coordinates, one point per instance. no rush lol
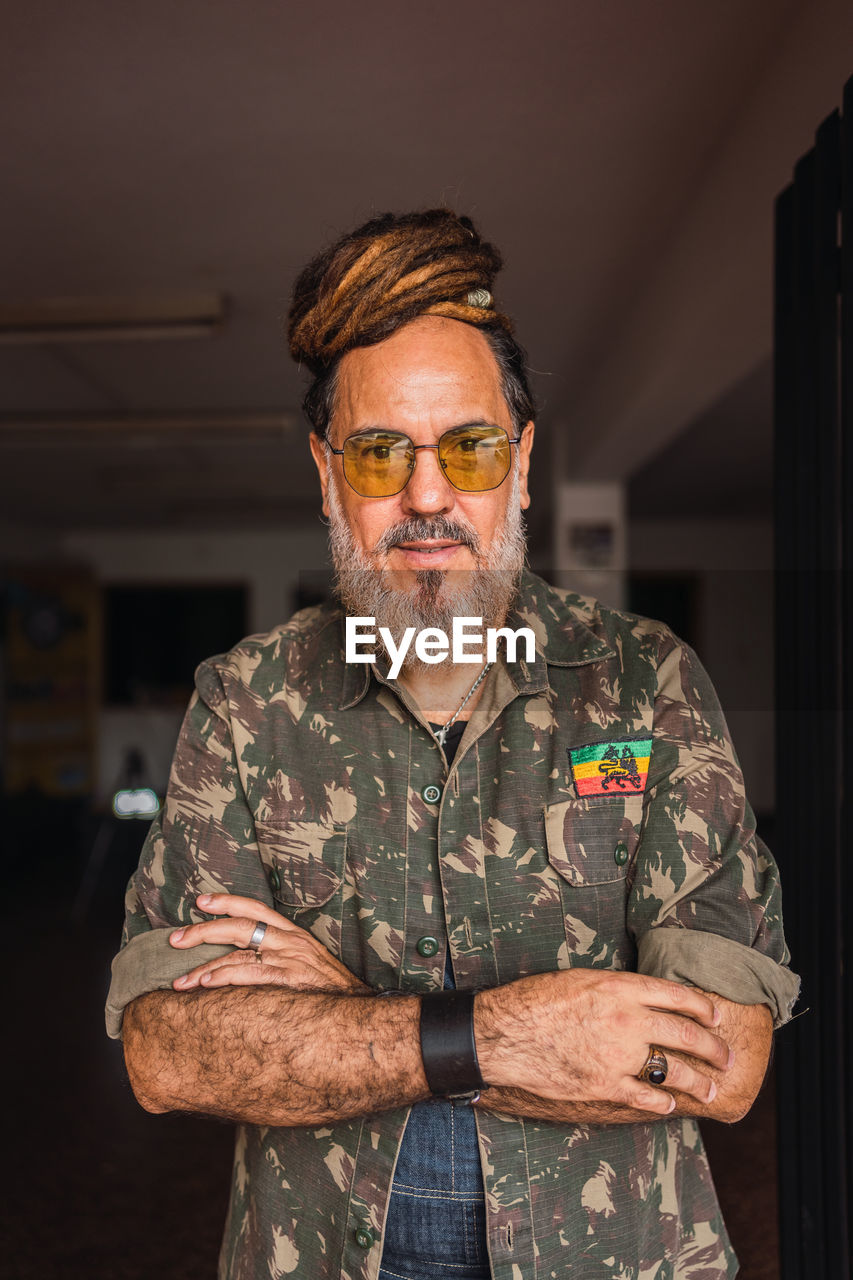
(614, 151)
(723, 461)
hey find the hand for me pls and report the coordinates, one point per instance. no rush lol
(289, 956)
(582, 1035)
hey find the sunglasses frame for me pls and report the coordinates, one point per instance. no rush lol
(415, 447)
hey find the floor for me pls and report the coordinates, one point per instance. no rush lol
(100, 1189)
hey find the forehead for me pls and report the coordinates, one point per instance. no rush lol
(430, 375)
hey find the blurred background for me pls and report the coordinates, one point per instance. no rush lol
(168, 169)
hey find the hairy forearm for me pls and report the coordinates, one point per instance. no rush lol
(747, 1029)
(280, 1056)
(273, 1056)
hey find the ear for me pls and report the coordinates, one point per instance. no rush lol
(524, 450)
(318, 453)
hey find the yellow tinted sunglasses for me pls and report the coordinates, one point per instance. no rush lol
(378, 464)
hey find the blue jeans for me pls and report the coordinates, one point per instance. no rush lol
(435, 1228)
(436, 1223)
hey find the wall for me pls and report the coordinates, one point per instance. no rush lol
(734, 564)
(268, 562)
(703, 320)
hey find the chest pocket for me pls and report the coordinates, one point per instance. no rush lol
(304, 861)
(593, 840)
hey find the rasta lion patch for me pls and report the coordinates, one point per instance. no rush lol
(618, 767)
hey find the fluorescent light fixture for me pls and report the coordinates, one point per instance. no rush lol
(130, 319)
(250, 424)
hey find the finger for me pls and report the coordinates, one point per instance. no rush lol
(255, 975)
(660, 994)
(685, 1035)
(231, 904)
(644, 1097)
(192, 979)
(254, 958)
(247, 974)
(237, 931)
(683, 1078)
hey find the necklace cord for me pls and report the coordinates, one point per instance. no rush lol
(441, 735)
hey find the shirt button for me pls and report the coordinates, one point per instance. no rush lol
(427, 947)
(364, 1237)
(620, 855)
(432, 793)
(275, 880)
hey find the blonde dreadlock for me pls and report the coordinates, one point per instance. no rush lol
(390, 271)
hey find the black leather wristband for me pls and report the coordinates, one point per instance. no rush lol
(447, 1043)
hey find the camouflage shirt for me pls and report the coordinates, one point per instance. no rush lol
(594, 815)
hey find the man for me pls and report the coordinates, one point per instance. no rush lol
(563, 832)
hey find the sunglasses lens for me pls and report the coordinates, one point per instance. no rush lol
(378, 463)
(475, 458)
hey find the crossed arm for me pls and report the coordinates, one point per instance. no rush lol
(296, 1039)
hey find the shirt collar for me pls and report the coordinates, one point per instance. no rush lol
(562, 624)
(356, 679)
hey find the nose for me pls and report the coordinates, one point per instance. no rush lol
(428, 492)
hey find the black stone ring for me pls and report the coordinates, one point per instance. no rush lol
(655, 1067)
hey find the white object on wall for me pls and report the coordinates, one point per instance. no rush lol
(590, 539)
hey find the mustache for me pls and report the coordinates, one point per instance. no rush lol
(420, 529)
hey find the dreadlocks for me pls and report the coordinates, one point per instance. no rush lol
(390, 271)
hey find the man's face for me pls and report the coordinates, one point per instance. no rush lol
(431, 375)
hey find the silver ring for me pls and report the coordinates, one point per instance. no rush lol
(258, 935)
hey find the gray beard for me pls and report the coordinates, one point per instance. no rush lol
(439, 595)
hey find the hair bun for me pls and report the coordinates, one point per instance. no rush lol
(386, 273)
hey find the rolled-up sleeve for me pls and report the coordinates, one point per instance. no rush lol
(203, 842)
(705, 906)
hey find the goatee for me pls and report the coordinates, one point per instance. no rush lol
(439, 595)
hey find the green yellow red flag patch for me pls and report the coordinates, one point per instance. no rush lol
(611, 768)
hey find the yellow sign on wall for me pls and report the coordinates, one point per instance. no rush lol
(52, 669)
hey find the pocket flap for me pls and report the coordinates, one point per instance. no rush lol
(593, 841)
(305, 860)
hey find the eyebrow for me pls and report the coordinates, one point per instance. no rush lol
(395, 431)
